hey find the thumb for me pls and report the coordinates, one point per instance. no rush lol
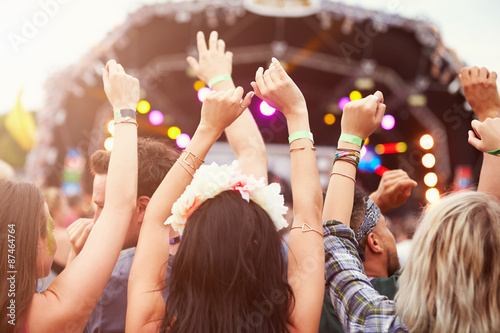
(192, 62)
(380, 113)
(247, 100)
(474, 141)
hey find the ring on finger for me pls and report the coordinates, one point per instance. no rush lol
(375, 98)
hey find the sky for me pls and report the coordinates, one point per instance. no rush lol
(40, 37)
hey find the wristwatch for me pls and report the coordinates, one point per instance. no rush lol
(124, 113)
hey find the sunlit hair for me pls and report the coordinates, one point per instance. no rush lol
(155, 158)
(229, 272)
(450, 282)
(21, 205)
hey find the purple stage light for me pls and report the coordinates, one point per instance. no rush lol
(202, 93)
(266, 109)
(156, 118)
(388, 122)
(182, 140)
(342, 102)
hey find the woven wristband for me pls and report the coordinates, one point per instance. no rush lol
(351, 139)
(219, 78)
(124, 113)
(300, 135)
(494, 152)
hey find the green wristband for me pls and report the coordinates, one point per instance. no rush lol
(300, 135)
(351, 139)
(124, 113)
(219, 78)
(494, 152)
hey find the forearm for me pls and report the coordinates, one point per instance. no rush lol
(306, 254)
(340, 193)
(489, 182)
(246, 140)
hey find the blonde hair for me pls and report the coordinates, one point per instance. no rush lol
(450, 282)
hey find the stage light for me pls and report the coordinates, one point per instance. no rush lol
(432, 195)
(111, 127)
(388, 122)
(143, 106)
(369, 162)
(198, 85)
(417, 100)
(367, 141)
(431, 179)
(173, 132)
(426, 141)
(156, 118)
(381, 170)
(202, 93)
(342, 102)
(266, 109)
(364, 83)
(182, 140)
(401, 147)
(108, 144)
(391, 148)
(329, 119)
(428, 160)
(355, 95)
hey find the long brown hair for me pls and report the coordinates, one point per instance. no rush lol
(229, 272)
(22, 216)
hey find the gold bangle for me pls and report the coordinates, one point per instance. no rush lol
(302, 148)
(306, 228)
(343, 175)
(190, 153)
(184, 167)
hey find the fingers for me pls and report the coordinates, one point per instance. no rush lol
(259, 79)
(221, 46)
(380, 96)
(465, 75)
(268, 80)
(273, 74)
(237, 93)
(200, 42)
(493, 76)
(474, 72)
(379, 115)
(474, 141)
(111, 66)
(212, 41)
(192, 62)
(247, 100)
(256, 89)
(483, 73)
(279, 69)
(476, 125)
(105, 77)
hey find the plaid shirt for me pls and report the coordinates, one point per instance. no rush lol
(359, 307)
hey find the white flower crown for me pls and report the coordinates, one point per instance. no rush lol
(210, 180)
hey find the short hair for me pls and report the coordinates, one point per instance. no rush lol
(358, 214)
(450, 284)
(155, 157)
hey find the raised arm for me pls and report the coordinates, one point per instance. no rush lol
(481, 91)
(306, 254)
(359, 120)
(215, 65)
(70, 299)
(146, 307)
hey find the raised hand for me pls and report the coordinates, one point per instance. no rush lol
(393, 190)
(488, 135)
(122, 90)
(481, 91)
(362, 117)
(221, 108)
(78, 232)
(213, 59)
(278, 90)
